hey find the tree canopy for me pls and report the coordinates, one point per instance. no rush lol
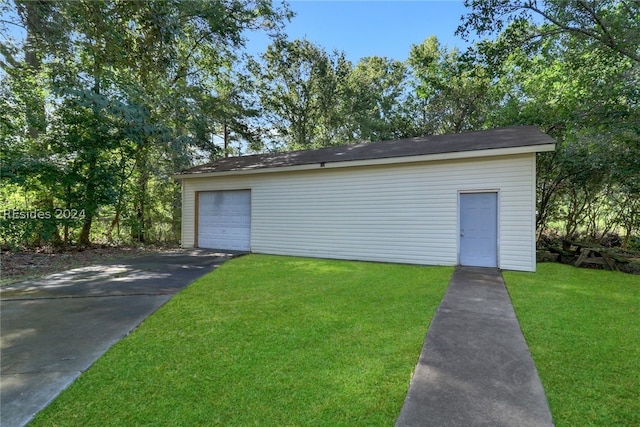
(103, 100)
(108, 98)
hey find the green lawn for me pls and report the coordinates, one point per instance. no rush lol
(266, 340)
(583, 329)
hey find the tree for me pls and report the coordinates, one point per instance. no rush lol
(127, 89)
(572, 68)
(376, 101)
(610, 24)
(298, 89)
(455, 91)
(587, 99)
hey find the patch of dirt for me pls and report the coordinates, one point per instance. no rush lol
(25, 265)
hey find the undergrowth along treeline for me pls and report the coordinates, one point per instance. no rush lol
(101, 102)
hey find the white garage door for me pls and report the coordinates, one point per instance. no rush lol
(224, 220)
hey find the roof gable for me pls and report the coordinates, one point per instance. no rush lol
(511, 137)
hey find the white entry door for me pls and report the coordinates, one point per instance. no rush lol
(224, 220)
(478, 227)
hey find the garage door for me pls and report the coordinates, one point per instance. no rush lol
(224, 220)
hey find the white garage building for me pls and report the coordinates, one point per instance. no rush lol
(464, 199)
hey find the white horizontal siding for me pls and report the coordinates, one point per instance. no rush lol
(394, 213)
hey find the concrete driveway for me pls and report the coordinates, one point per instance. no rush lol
(54, 328)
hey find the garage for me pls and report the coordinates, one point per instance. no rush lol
(459, 199)
(224, 220)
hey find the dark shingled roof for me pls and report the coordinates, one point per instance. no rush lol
(518, 136)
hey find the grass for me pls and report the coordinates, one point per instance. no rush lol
(266, 340)
(583, 329)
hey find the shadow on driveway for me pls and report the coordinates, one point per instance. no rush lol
(55, 327)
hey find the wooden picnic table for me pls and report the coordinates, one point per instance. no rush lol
(594, 255)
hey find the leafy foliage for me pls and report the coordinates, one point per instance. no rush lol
(455, 91)
(102, 101)
(297, 85)
(106, 99)
(610, 24)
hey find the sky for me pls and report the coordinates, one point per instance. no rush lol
(368, 28)
(364, 28)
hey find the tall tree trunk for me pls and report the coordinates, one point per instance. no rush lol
(176, 213)
(114, 222)
(32, 14)
(90, 200)
(140, 211)
(91, 205)
(85, 233)
(226, 140)
(139, 232)
(66, 226)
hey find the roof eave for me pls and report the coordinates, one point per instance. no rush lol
(379, 161)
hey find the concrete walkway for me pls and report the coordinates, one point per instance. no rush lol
(475, 368)
(54, 328)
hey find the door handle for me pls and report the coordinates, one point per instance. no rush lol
(462, 232)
